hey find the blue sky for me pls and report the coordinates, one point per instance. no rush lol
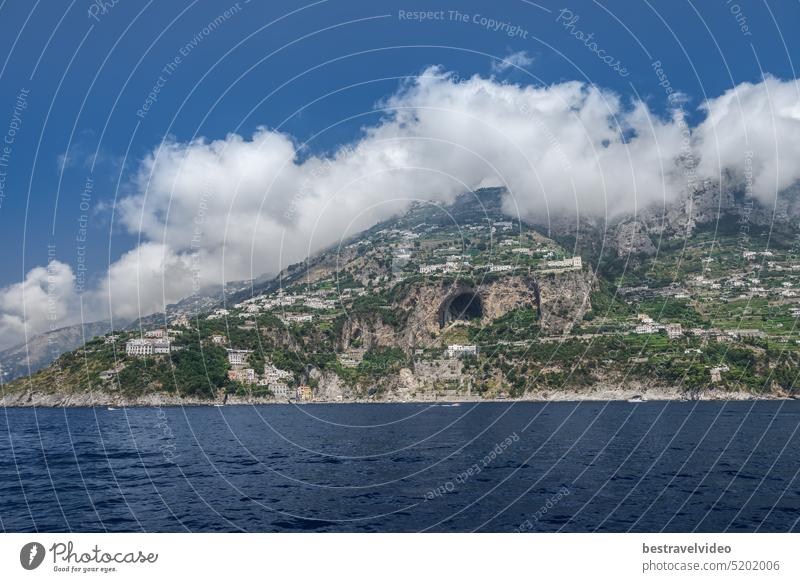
(87, 68)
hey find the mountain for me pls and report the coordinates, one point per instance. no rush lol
(202, 301)
(461, 302)
(41, 350)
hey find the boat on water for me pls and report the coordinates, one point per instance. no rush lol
(637, 398)
(111, 408)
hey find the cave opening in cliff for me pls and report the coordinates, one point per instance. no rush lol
(465, 306)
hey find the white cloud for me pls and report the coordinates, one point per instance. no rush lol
(246, 206)
(753, 132)
(237, 207)
(143, 281)
(519, 59)
(45, 300)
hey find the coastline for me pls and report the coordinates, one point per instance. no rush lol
(599, 394)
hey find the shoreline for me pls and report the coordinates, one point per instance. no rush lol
(601, 394)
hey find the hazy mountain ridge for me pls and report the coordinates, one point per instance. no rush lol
(41, 350)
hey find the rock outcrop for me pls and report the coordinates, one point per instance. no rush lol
(564, 298)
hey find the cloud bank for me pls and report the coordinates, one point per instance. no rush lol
(234, 208)
(47, 299)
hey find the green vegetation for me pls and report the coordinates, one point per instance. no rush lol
(736, 302)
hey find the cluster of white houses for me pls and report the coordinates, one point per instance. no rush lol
(727, 335)
(675, 330)
(451, 266)
(648, 326)
(319, 300)
(455, 264)
(743, 286)
(273, 377)
(313, 300)
(460, 350)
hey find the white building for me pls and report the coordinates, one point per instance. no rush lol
(162, 346)
(500, 268)
(218, 339)
(317, 303)
(352, 357)
(155, 333)
(147, 346)
(428, 269)
(646, 328)
(281, 391)
(218, 314)
(402, 255)
(238, 357)
(458, 350)
(106, 375)
(181, 321)
(245, 376)
(674, 330)
(274, 375)
(297, 318)
(139, 347)
(573, 263)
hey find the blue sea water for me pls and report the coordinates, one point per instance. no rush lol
(500, 467)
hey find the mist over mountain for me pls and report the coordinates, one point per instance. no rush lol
(210, 211)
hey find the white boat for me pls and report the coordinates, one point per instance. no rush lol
(637, 398)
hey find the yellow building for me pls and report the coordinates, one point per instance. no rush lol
(304, 393)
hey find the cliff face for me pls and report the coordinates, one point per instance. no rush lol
(564, 298)
(707, 203)
(632, 238)
(369, 331)
(560, 298)
(710, 201)
(330, 387)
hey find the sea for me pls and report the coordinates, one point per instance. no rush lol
(486, 467)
